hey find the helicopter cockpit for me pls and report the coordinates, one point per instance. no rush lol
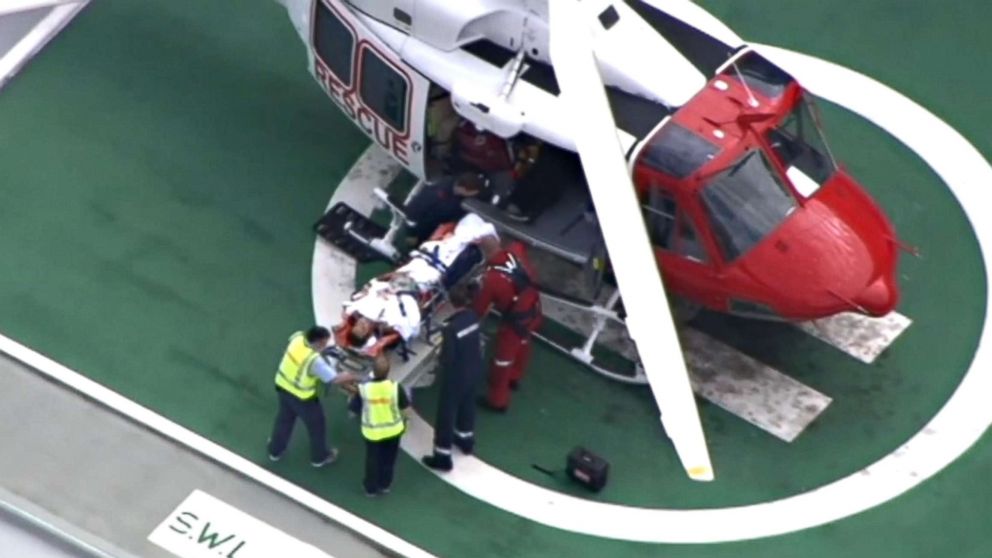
(732, 187)
(747, 169)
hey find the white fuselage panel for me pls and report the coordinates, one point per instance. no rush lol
(631, 55)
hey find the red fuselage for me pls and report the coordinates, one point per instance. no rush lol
(749, 213)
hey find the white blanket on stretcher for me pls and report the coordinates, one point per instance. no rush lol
(427, 275)
(380, 301)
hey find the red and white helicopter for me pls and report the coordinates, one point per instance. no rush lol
(699, 156)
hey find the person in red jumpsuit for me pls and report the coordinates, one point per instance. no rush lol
(505, 162)
(508, 285)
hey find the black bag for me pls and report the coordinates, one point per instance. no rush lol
(587, 468)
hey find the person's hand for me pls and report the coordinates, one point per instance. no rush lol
(344, 378)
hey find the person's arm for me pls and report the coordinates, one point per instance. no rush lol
(485, 297)
(448, 347)
(328, 373)
(404, 399)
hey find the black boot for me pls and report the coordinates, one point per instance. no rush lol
(483, 402)
(466, 445)
(437, 462)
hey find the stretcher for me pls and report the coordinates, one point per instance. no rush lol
(390, 310)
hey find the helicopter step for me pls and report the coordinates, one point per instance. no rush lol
(861, 337)
(354, 234)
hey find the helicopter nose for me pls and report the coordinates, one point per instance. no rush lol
(879, 298)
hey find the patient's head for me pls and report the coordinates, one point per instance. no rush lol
(361, 330)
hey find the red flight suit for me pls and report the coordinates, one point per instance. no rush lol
(482, 150)
(519, 306)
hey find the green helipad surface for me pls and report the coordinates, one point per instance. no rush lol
(163, 162)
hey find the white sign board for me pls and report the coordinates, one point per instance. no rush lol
(204, 527)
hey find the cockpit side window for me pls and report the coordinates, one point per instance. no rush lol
(689, 244)
(801, 147)
(659, 215)
(671, 229)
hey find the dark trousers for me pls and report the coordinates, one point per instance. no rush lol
(380, 459)
(312, 415)
(455, 413)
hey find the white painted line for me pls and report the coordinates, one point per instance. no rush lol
(202, 526)
(17, 6)
(194, 441)
(35, 39)
(860, 336)
(958, 425)
(755, 392)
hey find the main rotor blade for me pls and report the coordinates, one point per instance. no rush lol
(649, 319)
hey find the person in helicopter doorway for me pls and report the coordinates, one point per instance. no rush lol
(504, 162)
(440, 202)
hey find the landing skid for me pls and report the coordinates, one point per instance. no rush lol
(601, 324)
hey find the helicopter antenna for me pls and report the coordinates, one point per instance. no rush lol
(752, 100)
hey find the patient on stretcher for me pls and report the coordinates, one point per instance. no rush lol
(388, 308)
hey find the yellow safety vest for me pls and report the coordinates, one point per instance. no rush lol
(294, 373)
(381, 416)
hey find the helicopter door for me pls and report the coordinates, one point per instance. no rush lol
(679, 246)
(369, 82)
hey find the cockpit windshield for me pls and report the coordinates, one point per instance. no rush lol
(757, 73)
(746, 202)
(800, 145)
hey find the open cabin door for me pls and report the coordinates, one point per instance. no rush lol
(368, 81)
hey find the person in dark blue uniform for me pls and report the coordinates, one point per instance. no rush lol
(461, 371)
(440, 202)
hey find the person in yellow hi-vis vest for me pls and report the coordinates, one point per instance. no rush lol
(301, 371)
(381, 403)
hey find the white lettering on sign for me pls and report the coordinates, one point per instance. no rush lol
(204, 527)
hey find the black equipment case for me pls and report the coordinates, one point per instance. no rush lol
(587, 468)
